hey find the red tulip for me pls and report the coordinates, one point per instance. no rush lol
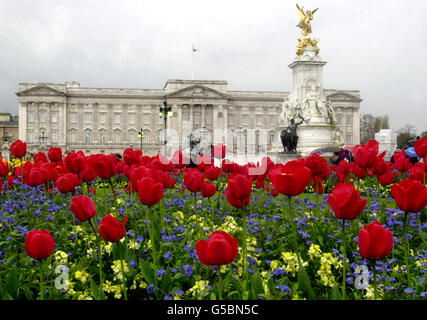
(4, 167)
(67, 182)
(150, 191)
(18, 149)
(212, 172)
(345, 201)
(75, 161)
(318, 166)
(365, 155)
(218, 151)
(55, 154)
(110, 228)
(39, 244)
(343, 170)
(420, 147)
(227, 165)
(375, 242)
(104, 165)
(208, 189)
(35, 177)
(193, 180)
(87, 174)
(179, 160)
(401, 163)
(410, 195)
(380, 166)
(290, 179)
(239, 190)
(317, 184)
(221, 248)
(83, 208)
(387, 178)
(131, 156)
(40, 157)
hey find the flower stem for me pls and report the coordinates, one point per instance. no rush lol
(122, 257)
(41, 280)
(405, 243)
(219, 283)
(344, 264)
(375, 283)
(101, 280)
(244, 247)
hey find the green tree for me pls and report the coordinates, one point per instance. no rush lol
(405, 134)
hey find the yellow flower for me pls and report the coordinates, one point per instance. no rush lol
(61, 257)
(314, 251)
(82, 276)
(117, 269)
(200, 289)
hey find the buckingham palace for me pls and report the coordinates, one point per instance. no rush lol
(109, 120)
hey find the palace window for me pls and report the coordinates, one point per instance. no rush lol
(245, 120)
(348, 139)
(54, 116)
(53, 136)
(117, 118)
(146, 118)
(73, 137)
(131, 118)
(271, 137)
(339, 119)
(102, 137)
(186, 116)
(42, 115)
(88, 117)
(208, 118)
(73, 117)
(132, 137)
(196, 118)
(117, 137)
(102, 117)
(348, 121)
(231, 120)
(30, 116)
(87, 137)
(272, 120)
(30, 136)
(259, 119)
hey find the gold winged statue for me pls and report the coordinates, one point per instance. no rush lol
(305, 25)
(305, 18)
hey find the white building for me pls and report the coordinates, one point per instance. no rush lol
(107, 120)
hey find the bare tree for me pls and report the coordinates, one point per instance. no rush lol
(367, 128)
(405, 134)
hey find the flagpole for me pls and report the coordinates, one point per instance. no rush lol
(192, 62)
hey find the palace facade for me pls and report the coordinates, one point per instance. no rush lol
(108, 120)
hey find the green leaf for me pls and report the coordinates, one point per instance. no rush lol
(256, 284)
(147, 271)
(94, 288)
(213, 296)
(335, 294)
(304, 283)
(11, 285)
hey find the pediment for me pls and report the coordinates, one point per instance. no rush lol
(343, 96)
(41, 90)
(197, 91)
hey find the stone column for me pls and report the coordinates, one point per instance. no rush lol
(203, 115)
(22, 121)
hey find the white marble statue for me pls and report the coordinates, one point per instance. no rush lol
(289, 108)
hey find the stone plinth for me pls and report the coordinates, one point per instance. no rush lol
(314, 137)
(387, 140)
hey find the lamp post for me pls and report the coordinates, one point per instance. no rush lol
(165, 112)
(141, 135)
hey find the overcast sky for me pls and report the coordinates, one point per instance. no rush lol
(377, 47)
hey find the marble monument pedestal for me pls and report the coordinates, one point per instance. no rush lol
(314, 137)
